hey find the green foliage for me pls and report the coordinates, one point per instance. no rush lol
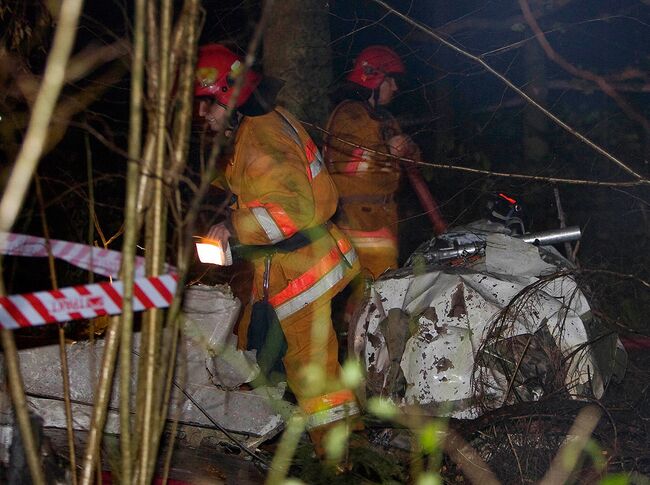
(336, 442)
(595, 452)
(351, 374)
(429, 478)
(431, 436)
(616, 479)
(383, 408)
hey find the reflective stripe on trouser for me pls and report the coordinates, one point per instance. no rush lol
(329, 408)
(315, 282)
(381, 238)
(377, 252)
(311, 340)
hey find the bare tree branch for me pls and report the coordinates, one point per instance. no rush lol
(478, 171)
(600, 81)
(79, 66)
(491, 70)
(477, 23)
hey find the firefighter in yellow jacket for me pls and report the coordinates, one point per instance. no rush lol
(284, 200)
(362, 150)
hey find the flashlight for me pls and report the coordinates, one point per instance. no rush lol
(211, 251)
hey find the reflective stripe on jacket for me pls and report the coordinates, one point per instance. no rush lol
(276, 173)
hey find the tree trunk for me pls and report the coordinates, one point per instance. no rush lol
(301, 56)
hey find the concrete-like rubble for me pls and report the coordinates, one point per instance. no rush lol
(209, 368)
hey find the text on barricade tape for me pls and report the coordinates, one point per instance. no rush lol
(84, 301)
(105, 262)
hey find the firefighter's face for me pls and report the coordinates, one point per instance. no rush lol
(214, 115)
(387, 90)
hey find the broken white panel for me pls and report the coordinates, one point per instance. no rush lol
(452, 312)
(211, 313)
(258, 412)
(6, 436)
(244, 412)
(514, 258)
(438, 362)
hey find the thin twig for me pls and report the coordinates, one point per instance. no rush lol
(521, 93)
(562, 218)
(567, 457)
(34, 141)
(620, 275)
(473, 465)
(65, 375)
(600, 81)
(127, 271)
(514, 374)
(189, 22)
(458, 168)
(514, 452)
(155, 243)
(102, 394)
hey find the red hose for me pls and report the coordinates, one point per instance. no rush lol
(427, 201)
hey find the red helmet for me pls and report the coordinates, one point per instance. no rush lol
(373, 64)
(217, 69)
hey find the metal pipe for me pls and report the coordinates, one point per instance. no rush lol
(462, 251)
(553, 236)
(541, 238)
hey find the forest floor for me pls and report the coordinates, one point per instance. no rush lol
(517, 442)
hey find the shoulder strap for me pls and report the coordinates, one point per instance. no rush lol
(293, 132)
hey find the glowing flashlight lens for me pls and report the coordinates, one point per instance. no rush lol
(211, 253)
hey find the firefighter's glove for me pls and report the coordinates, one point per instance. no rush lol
(402, 146)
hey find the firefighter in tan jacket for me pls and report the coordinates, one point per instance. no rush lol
(362, 150)
(284, 200)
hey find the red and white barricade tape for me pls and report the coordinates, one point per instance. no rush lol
(105, 262)
(84, 301)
